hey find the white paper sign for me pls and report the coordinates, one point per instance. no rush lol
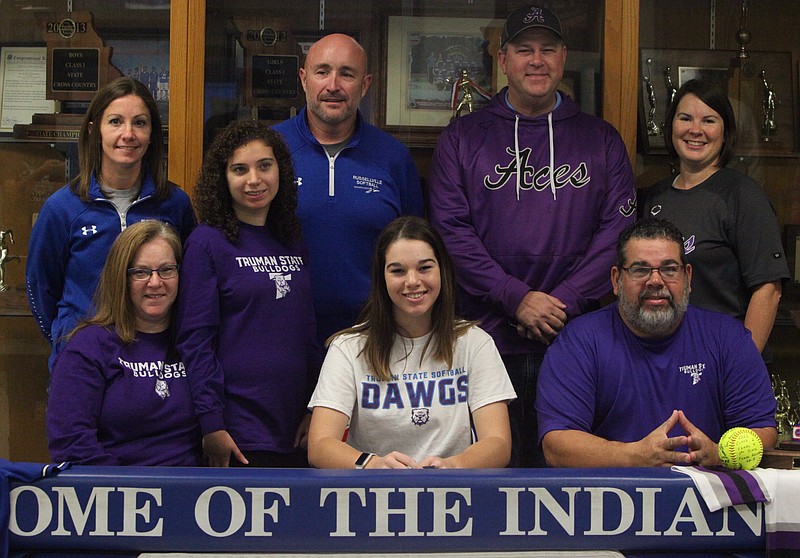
(23, 85)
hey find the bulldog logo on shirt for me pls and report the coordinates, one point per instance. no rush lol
(162, 389)
(282, 287)
(420, 416)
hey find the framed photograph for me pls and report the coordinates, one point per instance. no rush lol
(717, 75)
(145, 57)
(424, 58)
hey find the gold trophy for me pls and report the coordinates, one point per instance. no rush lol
(463, 87)
(783, 408)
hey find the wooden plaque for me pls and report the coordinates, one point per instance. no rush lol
(272, 60)
(78, 63)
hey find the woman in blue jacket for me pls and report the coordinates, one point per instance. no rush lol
(121, 180)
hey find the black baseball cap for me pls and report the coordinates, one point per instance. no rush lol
(528, 17)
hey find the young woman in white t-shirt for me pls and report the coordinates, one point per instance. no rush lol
(411, 385)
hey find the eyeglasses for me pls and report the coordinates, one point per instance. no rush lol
(144, 274)
(641, 272)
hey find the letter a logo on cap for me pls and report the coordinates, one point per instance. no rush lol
(534, 15)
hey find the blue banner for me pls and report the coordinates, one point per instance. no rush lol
(138, 509)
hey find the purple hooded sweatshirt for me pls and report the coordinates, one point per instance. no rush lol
(530, 203)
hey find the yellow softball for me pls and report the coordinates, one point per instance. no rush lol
(740, 448)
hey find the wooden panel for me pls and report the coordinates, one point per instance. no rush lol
(187, 59)
(620, 68)
(23, 390)
(5, 417)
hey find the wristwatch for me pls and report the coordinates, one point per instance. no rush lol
(363, 459)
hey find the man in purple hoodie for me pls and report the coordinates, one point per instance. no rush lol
(530, 196)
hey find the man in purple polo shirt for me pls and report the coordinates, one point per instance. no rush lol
(650, 380)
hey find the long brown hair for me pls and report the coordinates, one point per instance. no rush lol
(90, 141)
(112, 300)
(377, 317)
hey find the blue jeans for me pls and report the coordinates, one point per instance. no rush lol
(523, 371)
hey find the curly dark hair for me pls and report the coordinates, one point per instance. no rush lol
(212, 197)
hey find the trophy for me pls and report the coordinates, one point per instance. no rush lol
(463, 87)
(794, 415)
(768, 126)
(652, 128)
(4, 257)
(743, 35)
(671, 89)
(784, 414)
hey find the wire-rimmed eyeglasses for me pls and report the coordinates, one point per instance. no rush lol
(144, 274)
(643, 272)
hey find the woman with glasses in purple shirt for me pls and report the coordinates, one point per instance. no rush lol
(119, 393)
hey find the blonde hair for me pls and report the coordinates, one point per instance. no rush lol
(112, 299)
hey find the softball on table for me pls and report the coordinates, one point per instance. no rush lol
(740, 448)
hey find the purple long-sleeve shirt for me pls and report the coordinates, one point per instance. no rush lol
(246, 331)
(116, 404)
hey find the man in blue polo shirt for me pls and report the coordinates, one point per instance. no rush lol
(353, 179)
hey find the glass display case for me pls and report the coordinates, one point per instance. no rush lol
(212, 62)
(224, 60)
(751, 50)
(416, 52)
(55, 55)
